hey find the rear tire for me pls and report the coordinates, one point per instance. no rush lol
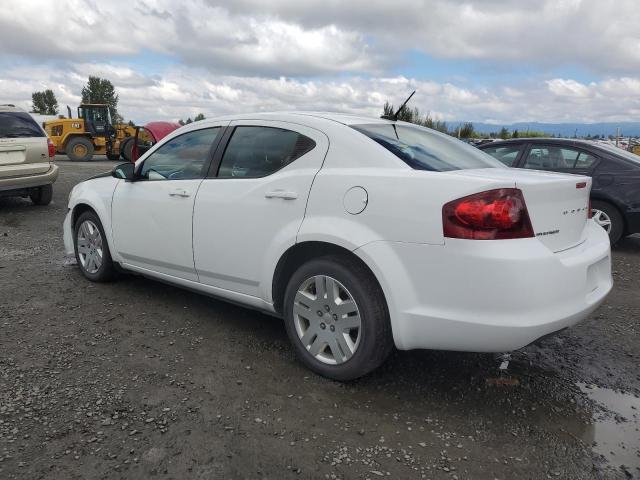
(42, 195)
(91, 249)
(609, 218)
(321, 325)
(79, 149)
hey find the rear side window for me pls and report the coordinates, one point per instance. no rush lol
(506, 155)
(260, 151)
(558, 158)
(18, 124)
(425, 149)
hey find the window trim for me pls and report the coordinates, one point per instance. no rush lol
(206, 165)
(214, 168)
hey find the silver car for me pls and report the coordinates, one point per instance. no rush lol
(26, 157)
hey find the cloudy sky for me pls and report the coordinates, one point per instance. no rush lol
(491, 61)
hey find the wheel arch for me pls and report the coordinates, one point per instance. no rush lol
(297, 255)
(84, 206)
(615, 204)
(79, 209)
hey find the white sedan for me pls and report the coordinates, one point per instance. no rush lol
(361, 233)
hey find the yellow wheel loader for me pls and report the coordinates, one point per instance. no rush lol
(91, 133)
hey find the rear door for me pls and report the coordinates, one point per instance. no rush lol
(23, 146)
(250, 208)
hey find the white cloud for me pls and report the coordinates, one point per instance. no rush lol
(180, 92)
(172, 59)
(568, 88)
(295, 38)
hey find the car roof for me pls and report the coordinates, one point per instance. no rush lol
(575, 142)
(550, 140)
(301, 116)
(10, 107)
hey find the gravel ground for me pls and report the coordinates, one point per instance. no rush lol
(136, 379)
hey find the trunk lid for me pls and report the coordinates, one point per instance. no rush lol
(557, 203)
(28, 155)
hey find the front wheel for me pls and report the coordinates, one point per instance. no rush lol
(337, 319)
(79, 149)
(609, 218)
(91, 249)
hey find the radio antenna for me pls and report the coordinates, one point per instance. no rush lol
(394, 117)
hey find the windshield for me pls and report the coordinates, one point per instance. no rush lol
(425, 149)
(18, 124)
(620, 152)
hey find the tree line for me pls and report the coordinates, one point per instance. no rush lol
(465, 130)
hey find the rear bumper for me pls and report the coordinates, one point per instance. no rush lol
(29, 181)
(488, 296)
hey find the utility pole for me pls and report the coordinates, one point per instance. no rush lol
(617, 135)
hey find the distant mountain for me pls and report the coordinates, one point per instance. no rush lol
(561, 129)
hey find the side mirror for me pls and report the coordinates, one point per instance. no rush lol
(124, 171)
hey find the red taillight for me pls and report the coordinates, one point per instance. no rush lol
(492, 215)
(52, 149)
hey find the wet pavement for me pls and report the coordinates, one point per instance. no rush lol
(614, 431)
(136, 379)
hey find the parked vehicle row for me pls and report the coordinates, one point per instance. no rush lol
(615, 195)
(362, 234)
(26, 157)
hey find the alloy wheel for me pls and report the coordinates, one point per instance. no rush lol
(602, 219)
(327, 319)
(89, 244)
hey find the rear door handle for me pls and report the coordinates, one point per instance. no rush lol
(281, 194)
(179, 192)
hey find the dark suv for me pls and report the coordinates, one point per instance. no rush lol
(615, 195)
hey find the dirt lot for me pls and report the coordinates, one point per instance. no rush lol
(136, 379)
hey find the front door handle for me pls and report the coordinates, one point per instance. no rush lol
(179, 192)
(281, 194)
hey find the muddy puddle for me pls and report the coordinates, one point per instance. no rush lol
(615, 429)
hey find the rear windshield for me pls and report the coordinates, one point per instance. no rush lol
(18, 124)
(425, 149)
(632, 157)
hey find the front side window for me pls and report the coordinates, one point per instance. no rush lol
(260, 151)
(507, 155)
(18, 124)
(181, 158)
(558, 158)
(425, 149)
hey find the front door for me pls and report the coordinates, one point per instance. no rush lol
(152, 216)
(252, 207)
